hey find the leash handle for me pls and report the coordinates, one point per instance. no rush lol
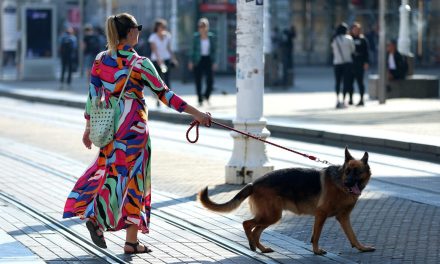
(196, 124)
(193, 124)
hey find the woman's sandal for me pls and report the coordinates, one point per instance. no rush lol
(97, 239)
(135, 247)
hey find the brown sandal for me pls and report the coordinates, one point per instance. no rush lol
(97, 239)
(135, 247)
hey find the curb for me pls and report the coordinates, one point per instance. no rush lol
(411, 150)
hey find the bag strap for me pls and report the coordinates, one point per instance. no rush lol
(126, 80)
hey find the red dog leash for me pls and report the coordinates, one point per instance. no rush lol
(196, 124)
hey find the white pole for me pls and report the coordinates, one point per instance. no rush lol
(249, 159)
(382, 53)
(174, 34)
(403, 42)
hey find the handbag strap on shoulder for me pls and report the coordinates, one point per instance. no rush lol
(126, 80)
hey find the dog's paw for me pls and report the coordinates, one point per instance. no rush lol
(252, 247)
(319, 251)
(367, 249)
(267, 250)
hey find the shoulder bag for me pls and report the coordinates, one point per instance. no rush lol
(102, 123)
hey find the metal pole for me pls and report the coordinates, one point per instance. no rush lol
(108, 8)
(249, 159)
(81, 39)
(382, 53)
(1, 39)
(174, 32)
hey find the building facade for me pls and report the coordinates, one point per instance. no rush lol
(313, 20)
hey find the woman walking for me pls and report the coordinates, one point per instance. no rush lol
(343, 48)
(202, 59)
(115, 191)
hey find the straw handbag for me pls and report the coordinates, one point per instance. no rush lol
(102, 119)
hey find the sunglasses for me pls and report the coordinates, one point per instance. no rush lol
(139, 27)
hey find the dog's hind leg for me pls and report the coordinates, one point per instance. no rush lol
(270, 217)
(344, 220)
(248, 226)
(256, 234)
(320, 217)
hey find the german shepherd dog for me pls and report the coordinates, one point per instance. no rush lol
(331, 191)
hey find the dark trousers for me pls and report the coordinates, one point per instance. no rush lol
(165, 76)
(358, 77)
(343, 72)
(66, 65)
(204, 67)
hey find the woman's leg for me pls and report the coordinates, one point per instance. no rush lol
(338, 78)
(198, 81)
(132, 237)
(209, 78)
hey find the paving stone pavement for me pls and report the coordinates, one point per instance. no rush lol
(402, 230)
(170, 244)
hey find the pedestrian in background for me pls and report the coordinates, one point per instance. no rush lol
(202, 59)
(115, 191)
(287, 41)
(68, 48)
(92, 46)
(360, 60)
(161, 54)
(396, 63)
(343, 48)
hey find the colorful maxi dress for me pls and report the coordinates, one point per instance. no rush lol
(116, 189)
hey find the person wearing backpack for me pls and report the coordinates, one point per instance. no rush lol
(68, 46)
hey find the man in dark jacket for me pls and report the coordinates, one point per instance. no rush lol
(396, 63)
(360, 61)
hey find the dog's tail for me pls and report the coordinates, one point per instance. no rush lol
(228, 206)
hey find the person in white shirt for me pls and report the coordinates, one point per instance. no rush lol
(343, 49)
(161, 54)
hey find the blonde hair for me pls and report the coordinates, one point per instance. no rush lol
(204, 21)
(117, 28)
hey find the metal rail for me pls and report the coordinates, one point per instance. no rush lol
(169, 218)
(69, 234)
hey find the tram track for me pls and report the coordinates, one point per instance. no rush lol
(67, 233)
(105, 254)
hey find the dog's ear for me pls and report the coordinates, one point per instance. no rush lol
(348, 156)
(365, 158)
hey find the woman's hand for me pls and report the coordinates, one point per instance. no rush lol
(175, 62)
(202, 118)
(190, 66)
(86, 138)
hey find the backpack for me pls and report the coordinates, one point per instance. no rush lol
(66, 45)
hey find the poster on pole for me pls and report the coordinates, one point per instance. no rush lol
(9, 26)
